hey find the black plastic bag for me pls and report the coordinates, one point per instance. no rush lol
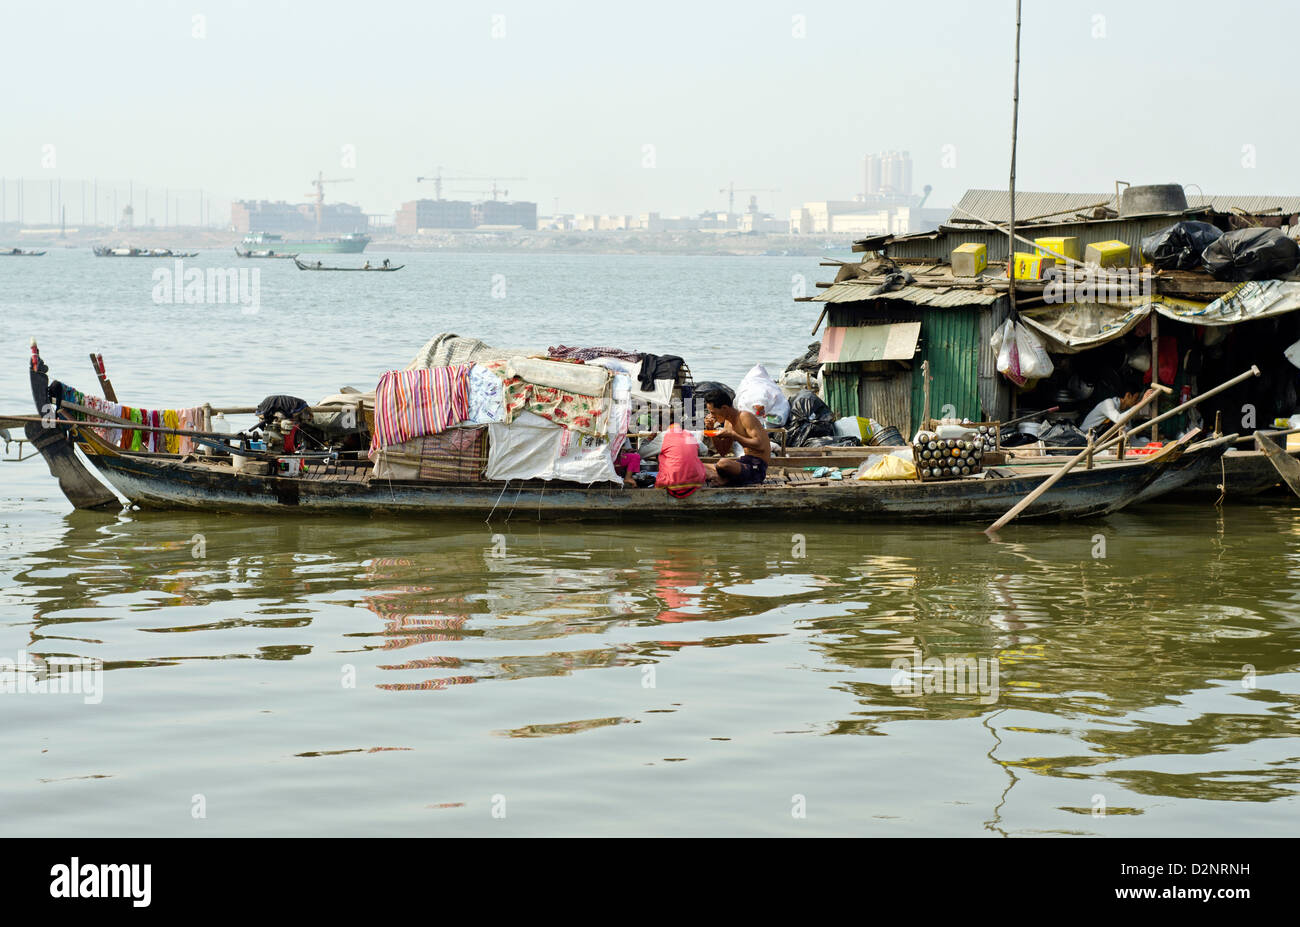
(809, 418)
(1062, 438)
(1179, 246)
(1251, 254)
(836, 441)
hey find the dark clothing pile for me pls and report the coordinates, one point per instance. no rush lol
(288, 406)
(659, 367)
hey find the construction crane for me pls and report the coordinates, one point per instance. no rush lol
(731, 190)
(319, 195)
(438, 181)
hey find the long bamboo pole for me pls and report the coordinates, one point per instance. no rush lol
(1011, 185)
(1069, 465)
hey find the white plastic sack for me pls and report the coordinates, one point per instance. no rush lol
(1004, 346)
(1035, 363)
(1293, 355)
(758, 388)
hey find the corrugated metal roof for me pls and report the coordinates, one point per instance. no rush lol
(1252, 204)
(941, 297)
(994, 205)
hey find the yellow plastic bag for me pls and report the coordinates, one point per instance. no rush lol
(889, 467)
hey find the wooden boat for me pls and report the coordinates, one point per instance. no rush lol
(265, 253)
(19, 252)
(142, 252)
(212, 483)
(302, 266)
(1240, 474)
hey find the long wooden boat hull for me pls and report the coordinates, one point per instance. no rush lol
(172, 484)
(1244, 474)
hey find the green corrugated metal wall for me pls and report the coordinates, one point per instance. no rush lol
(841, 385)
(950, 342)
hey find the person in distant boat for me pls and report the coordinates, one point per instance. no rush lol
(367, 267)
(318, 263)
(385, 262)
(736, 427)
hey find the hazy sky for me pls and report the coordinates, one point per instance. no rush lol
(572, 92)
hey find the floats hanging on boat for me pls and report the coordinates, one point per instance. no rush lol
(385, 266)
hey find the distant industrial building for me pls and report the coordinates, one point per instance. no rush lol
(855, 217)
(415, 215)
(296, 219)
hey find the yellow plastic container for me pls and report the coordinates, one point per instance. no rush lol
(1107, 254)
(1032, 266)
(969, 260)
(1066, 245)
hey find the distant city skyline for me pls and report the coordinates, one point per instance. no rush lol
(623, 110)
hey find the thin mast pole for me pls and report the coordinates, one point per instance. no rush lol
(1011, 227)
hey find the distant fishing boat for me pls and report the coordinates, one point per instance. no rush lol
(143, 252)
(319, 266)
(19, 252)
(267, 253)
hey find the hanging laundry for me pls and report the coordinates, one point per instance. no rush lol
(412, 403)
(171, 420)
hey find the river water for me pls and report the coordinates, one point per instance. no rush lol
(1130, 676)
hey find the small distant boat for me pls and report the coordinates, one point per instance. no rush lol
(265, 253)
(19, 252)
(143, 252)
(319, 266)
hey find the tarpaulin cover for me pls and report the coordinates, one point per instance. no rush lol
(1074, 327)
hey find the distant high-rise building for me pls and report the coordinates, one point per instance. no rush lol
(888, 173)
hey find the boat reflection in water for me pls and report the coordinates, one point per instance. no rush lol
(1119, 675)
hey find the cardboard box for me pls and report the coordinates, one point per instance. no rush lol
(1032, 266)
(969, 260)
(1067, 245)
(1107, 254)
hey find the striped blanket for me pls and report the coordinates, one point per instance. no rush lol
(413, 403)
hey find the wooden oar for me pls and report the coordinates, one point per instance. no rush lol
(1286, 466)
(97, 361)
(1066, 468)
(1195, 400)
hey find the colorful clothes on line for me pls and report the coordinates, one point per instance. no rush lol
(171, 420)
(413, 403)
(586, 354)
(586, 414)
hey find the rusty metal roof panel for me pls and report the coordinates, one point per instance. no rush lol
(939, 298)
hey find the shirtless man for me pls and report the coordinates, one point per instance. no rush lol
(736, 427)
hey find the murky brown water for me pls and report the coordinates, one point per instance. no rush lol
(356, 676)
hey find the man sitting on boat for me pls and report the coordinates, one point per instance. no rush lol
(736, 427)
